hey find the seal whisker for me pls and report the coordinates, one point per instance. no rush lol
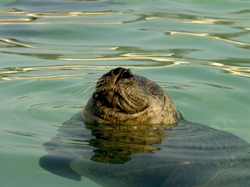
(88, 88)
(75, 97)
(87, 93)
(76, 88)
(91, 86)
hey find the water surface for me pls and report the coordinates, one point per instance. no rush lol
(52, 52)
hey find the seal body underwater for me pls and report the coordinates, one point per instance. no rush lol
(131, 134)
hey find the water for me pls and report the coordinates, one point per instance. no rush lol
(52, 51)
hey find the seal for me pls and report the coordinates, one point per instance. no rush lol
(130, 134)
(123, 98)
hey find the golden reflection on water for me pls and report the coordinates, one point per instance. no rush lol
(14, 20)
(210, 36)
(66, 67)
(66, 14)
(200, 21)
(31, 17)
(47, 23)
(234, 70)
(11, 41)
(19, 43)
(128, 56)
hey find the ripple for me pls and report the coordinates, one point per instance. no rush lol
(22, 133)
(36, 18)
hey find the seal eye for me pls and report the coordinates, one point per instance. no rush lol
(95, 96)
(153, 92)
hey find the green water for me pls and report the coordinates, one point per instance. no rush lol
(53, 51)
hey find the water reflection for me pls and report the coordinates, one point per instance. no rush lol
(32, 18)
(116, 142)
(9, 74)
(16, 38)
(157, 57)
(22, 133)
(214, 37)
(185, 18)
(183, 154)
(19, 43)
(12, 73)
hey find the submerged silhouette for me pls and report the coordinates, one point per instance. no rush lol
(134, 141)
(187, 154)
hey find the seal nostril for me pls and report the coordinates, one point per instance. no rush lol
(118, 70)
(131, 75)
(126, 74)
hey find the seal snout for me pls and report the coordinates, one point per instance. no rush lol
(111, 92)
(120, 73)
(114, 79)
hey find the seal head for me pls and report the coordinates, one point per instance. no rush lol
(121, 97)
